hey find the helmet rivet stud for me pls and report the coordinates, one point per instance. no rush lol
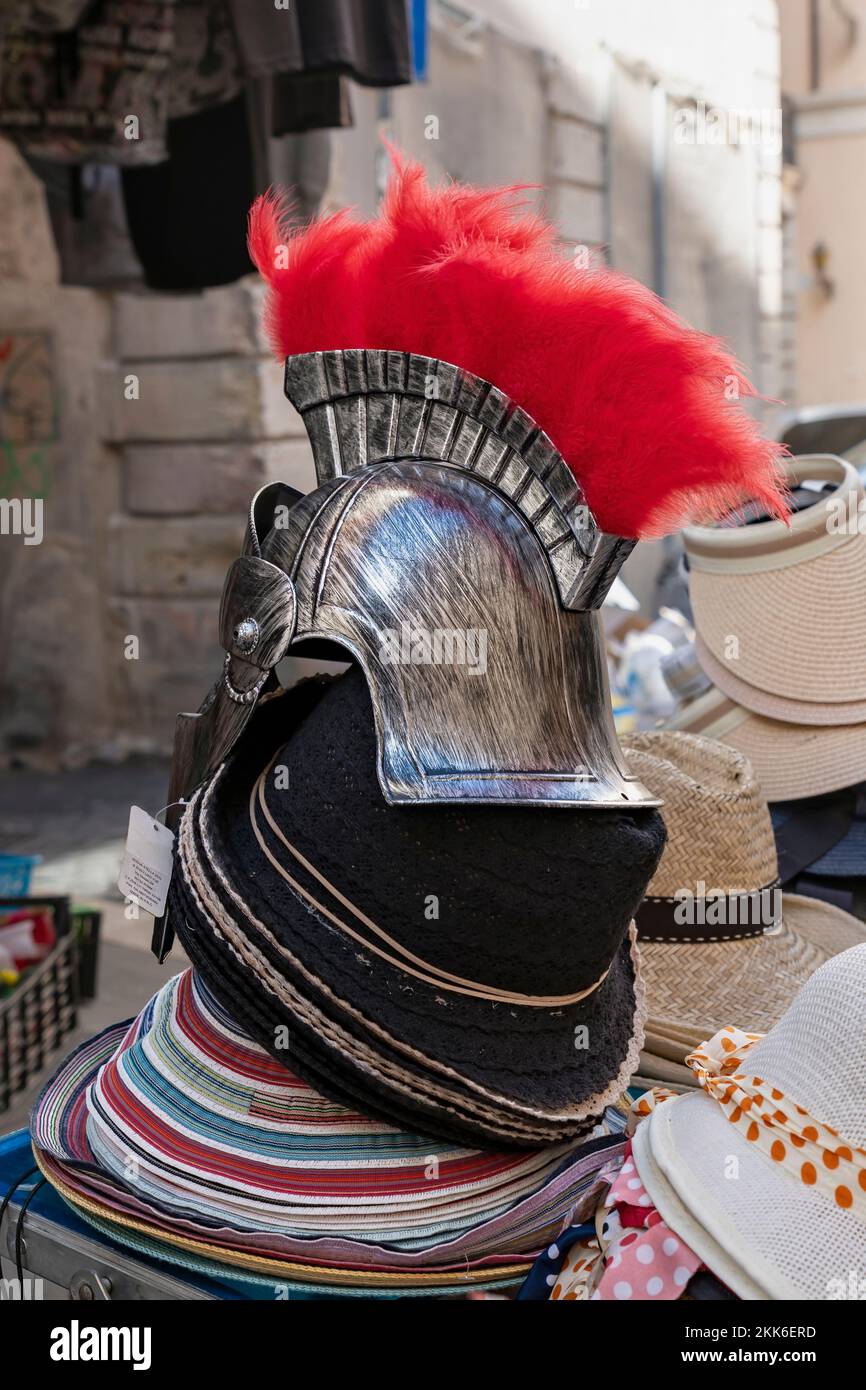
(245, 636)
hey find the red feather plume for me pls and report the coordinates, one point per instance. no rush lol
(636, 401)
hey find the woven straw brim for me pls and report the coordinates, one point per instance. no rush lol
(791, 761)
(645, 1081)
(800, 630)
(669, 1049)
(658, 1071)
(718, 824)
(681, 1038)
(748, 983)
(726, 676)
(663, 1060)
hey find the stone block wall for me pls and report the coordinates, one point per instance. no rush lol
(576, 176)
(193, 405)
(55, 680)
(141, 425)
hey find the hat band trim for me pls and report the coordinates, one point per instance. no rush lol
(404, 960)
(759, 559)
(711, 714)
(687, 918)
(809, 1151)
(435, 1084)
(830, 522)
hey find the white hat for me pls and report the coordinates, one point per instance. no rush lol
(745, 1196)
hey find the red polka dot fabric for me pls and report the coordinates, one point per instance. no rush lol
(644, 1259)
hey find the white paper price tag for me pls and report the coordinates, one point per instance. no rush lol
(146, 869)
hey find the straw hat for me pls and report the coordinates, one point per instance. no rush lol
(718, 940)
(789, 593)
(782, 635)
(778, 707)
(763, 1171)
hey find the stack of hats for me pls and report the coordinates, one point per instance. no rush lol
(719, 940)
(179, 1136)
(782, 636)
(408, 892)
(762, 1172)
(781, 633)
(301, 897)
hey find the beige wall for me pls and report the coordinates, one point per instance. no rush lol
(794, 33)
(831, 343)
(842, 45)
(830, 182)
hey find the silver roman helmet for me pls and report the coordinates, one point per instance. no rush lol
(449, 549)
(450, 552)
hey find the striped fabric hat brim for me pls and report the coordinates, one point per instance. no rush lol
(279, 1281)
(519, 1233)
(166, 1103)
(524, 1229)
(316, 1271)
(83, 1188)
(168, 1091)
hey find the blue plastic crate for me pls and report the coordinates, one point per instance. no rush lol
(15, 872)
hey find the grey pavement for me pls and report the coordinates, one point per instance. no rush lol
(77, 820)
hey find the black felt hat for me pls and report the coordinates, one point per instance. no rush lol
(419, 962)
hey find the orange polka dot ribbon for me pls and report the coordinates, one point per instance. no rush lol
(810, 1151)
(576, 1279)
(645, 1105)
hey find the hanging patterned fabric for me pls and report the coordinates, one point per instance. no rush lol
(104, 87)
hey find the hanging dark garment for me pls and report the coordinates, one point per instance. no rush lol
(187, 216)
(95, 92)
(49, 16)
(310, 101)
(298, 163)
(366, 39)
